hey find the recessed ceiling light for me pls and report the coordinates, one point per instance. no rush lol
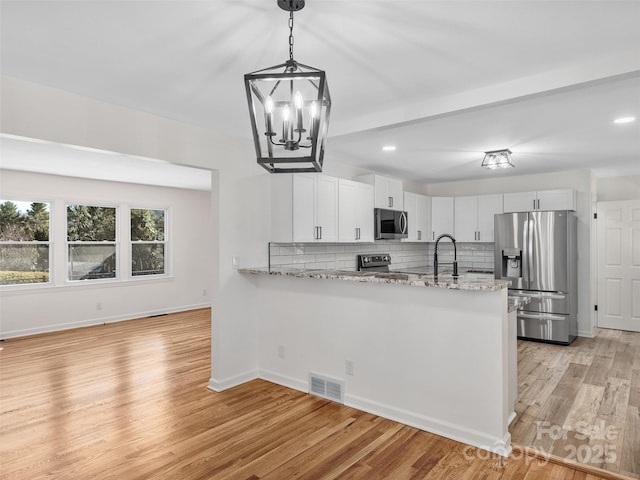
(389, 148)
(625, 120)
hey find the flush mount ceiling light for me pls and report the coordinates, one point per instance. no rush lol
(389, 148)
(625, 120)
(497, 159)
(289, 106)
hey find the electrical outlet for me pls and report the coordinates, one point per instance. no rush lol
(98, 305)
(348, 364)
(235, 262)
(281, 351)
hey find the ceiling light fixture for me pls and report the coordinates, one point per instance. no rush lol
(289, 106)
(389, 148)
(497, 159)
(625, 120)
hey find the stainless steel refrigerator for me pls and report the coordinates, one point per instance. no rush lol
(537, 253)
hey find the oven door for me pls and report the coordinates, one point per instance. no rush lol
(390, 224)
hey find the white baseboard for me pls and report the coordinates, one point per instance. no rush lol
(512, 417)
(284, 380)
(587, 334)
(221, 385)
(501, 446)
(98, 321)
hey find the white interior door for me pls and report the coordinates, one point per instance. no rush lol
(618, 231)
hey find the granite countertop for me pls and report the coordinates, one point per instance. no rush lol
(463, 282)
(516, 302)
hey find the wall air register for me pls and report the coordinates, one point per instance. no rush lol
(325, 387)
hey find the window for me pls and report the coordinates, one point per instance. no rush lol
(24, 242)
(148, 242)
(91, 242)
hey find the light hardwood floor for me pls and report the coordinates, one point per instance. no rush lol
(128, 401)
(582, 401)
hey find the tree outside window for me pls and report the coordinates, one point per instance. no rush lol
(148, 242)
(91, 242)
(24, 242)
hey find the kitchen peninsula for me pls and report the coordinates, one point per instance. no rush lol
(436, 354)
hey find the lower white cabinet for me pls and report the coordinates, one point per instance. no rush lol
(304, 208)
(418, 208)
(355, 211)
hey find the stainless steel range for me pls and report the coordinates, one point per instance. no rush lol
(378, 262)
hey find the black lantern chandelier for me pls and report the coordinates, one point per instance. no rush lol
(289, 106)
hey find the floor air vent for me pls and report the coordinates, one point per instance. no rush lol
(325, 387)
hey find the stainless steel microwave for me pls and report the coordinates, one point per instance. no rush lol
(390, 224)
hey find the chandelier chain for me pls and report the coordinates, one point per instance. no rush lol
(291, 34)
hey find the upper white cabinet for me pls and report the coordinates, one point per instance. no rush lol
(474, 217)
(304, 208)
(441, 216)
(418, 208)
(542, 200)
(388, 192)
(355, 211)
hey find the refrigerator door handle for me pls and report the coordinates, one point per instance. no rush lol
(557, 296)
(542, 316)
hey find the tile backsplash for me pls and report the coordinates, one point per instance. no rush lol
(342, 256)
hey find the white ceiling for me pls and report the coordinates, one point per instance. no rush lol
(442, 80)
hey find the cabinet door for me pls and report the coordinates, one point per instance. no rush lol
(556, 200)
(424, 218)
(411, 207)
(519, 202)
(381, 192)
(304, 196)
(441, 216)
(418, 208)
(347, 210)
(326, 208)
(466, 219)
(488, 206)
(395, 191)
(364, 212)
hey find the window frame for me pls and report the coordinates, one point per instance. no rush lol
(116, 243)
(164, 242)
(49, 243)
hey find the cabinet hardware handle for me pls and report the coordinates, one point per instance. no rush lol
(534, 203)
(478, 235)
(419, 235)
(320, 235)
(390, 201)
(538, 204)
(433, 235)
(315, 233)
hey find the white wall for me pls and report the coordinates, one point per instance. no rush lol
(582, 182)
(40, 308)
(240, 199)
(613, 189)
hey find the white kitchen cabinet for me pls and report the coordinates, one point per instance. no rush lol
(388, 192)
(564, 199)
(418, 208)
(355, 211)
(488, 207)
(474, 217)
(304, 208)
(442, 211)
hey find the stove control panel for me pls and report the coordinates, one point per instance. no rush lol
(367, 261)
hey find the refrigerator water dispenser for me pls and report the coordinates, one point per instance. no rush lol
(512, 263)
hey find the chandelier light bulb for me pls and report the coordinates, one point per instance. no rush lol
(268, 105)
(285, 113)
(299, 102)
